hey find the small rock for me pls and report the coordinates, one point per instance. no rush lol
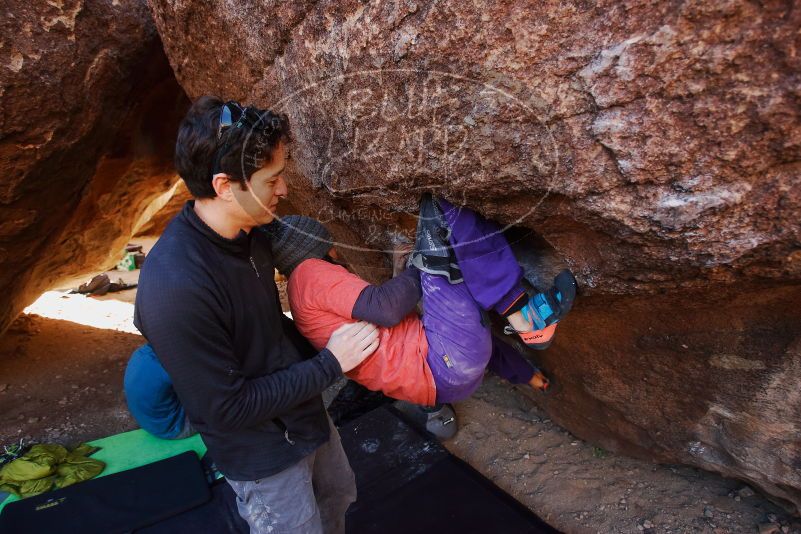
(32, 420)
(785, 529)
(772, 518)
(737, 498)
(745, 492)
(3, 387)
(640, 527)
(708, 511)
(74, 386)
(647, 524)
(527, 456)
(623, 501)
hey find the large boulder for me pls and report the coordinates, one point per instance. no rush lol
(653, 146)
(89, 112)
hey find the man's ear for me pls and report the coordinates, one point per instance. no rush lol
(221, 183)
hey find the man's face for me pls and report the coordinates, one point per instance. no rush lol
(259, 198)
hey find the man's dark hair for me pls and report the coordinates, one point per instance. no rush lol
(239, 153)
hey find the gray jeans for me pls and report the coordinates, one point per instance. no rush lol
(310, 497)
(187, 431)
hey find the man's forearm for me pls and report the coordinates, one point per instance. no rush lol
(267, 397)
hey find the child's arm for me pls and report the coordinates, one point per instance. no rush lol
(387, 304)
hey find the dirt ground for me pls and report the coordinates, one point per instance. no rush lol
(580, 488)
(61, 381)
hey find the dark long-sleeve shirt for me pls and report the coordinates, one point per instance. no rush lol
(208, 306)
(388, 303)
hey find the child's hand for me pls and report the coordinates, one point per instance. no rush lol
(400, 255)
(352, 343)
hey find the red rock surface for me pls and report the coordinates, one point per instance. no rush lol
(654, 146)
(89, 109)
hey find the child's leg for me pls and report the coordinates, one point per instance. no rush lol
(459, 346)
(488, 265)
(493, 276)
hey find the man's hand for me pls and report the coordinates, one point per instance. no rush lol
(352, 343)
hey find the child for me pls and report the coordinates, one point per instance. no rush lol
(440, 358)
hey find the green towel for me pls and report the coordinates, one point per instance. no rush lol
(49, 466)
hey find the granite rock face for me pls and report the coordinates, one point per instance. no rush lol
(89, 112)
(665, 133)
(654, 146)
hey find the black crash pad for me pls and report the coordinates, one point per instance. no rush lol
(219, 515)
(408, 482)
(117, 503)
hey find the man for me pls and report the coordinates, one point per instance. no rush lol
(208, 305)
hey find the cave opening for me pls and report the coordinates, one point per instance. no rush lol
(540, 260)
